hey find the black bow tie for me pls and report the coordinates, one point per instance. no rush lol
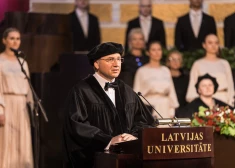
(110, 85)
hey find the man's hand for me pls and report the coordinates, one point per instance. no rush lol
(128, 137)
(116, 139)
(122, 138)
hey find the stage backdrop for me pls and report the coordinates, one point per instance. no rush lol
(118, 12)
(12, 6)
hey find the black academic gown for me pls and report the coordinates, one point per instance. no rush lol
(92, 119)
(191, 108)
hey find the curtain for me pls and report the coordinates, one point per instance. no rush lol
(13, 5)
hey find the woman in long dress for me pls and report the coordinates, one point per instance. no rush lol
(15, 133)
(154, 81)
(216, 67)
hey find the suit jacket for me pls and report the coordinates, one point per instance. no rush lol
(157, 32)
(229, 31)
(185, 39)
(80, 42)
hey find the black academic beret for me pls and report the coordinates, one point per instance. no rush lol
(207, 76)
(104, 49)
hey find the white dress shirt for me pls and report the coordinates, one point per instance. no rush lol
(84, 20)
(145, 24)
(110, 92)
(196, 20)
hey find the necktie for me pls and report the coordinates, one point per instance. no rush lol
(196, 25)
(110, 85)
(83, 24)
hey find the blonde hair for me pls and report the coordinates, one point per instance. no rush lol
(132, 32)
(135, 31)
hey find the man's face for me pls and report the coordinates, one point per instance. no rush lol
(82, 4)
(109, 67)
(196, 3)
(145, 7)
(206, 88)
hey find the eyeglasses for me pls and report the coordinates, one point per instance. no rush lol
(175, 59)
(111, 60)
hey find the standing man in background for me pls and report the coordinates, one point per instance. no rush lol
(152, 27)
(229, 31)
(192, 28)
(84, 26)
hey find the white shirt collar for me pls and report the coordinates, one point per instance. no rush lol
(80, 13)
(193, 12)
(101, 80)
(145, 18)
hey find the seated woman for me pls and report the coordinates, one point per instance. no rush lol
(206, 87)
(180, 79)
(135, 57)
(154, 81)
(217, 67)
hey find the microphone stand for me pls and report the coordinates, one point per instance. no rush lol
(35, 120)
(140, 94)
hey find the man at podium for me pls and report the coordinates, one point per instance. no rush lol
(102, 110)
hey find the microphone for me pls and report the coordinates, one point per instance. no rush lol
(166, 121)
(140, 94)
(16, 52)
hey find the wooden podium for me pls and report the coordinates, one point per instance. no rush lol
(162, 147)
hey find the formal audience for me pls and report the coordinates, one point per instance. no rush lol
(135, 57)
(154, 81)
(229, 31)
(217, 67)
(206, 87)
(192, 28)
(180, 78)
(84, 27)
(152, 27)
(15, 131)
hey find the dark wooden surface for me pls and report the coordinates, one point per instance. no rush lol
(112, 160)
(43, 51)
(224, 151)
(38, 23)
(43, 37)
(158, 137)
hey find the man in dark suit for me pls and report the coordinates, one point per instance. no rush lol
(192, 28)
(152, 27)
(229, 31)
(84, 27)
